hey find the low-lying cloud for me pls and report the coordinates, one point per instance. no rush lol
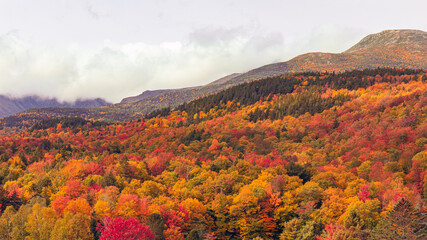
(114, 71)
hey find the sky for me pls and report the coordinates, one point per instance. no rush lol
(80, 49)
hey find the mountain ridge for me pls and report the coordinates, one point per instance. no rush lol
(151, 93)
(356, 57)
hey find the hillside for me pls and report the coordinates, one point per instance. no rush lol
(10, 106)
(305, 156)
(392, 48)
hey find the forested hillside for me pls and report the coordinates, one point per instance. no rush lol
(311, 155)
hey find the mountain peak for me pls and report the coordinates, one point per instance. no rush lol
(390, 38)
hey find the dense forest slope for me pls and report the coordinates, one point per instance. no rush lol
(392, 48)
(302, 156)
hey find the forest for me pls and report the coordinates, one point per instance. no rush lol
(313, 155)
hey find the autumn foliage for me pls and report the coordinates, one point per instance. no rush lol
(124, 229)
(334, 156)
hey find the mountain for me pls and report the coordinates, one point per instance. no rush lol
(10, 105)
(391, 48)
(387, 49)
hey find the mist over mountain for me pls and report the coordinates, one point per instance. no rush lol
(11, 105)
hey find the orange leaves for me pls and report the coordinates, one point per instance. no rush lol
(79, 205)
(174, 233)
(214, 146)
(130, 206)
(75, 169)
(74, 189)
(59, 204)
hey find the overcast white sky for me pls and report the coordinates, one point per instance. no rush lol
(117, 48)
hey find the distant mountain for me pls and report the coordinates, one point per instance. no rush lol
(176, 92)
(224, 79)
(387, 49)
(144, 95)
(10, 105)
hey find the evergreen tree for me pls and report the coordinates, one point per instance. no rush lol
(291, 229)
(157, 226)
(401, 222)
(194, 235)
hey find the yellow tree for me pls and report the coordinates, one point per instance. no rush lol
(102, 208)
(72, 227)
(197, 214)
(80, 205)
(40, 223)
(362, 214)
(6, 223)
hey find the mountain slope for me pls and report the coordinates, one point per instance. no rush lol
(9, 106)
(152, 93)
(391, 48)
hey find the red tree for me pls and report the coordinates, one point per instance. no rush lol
(120, 228)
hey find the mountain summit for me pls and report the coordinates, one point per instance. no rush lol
(415, 39)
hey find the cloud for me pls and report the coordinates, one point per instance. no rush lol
(326, 38)
(113, 71)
